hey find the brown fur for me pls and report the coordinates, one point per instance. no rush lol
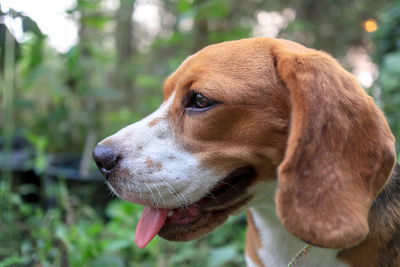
(339, 144)
(154, 122)
(152, 164)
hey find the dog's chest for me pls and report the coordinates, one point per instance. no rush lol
(279, 247)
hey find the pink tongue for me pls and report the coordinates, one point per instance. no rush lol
(149, 225)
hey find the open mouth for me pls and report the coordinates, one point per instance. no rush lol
(199, 218)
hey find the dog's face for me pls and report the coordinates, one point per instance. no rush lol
(206, 145)
(223, 131)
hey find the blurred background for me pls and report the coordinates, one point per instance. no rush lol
(74, 71)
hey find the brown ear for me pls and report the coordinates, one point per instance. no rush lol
(339, 154)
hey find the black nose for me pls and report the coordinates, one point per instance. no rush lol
(105, 159)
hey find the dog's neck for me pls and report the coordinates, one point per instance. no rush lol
(382, 245)
(384, 217)
(276, 246)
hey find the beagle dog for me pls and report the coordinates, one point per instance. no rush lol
(274, 128)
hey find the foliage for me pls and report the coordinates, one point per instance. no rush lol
(76, 235)
(387, 56)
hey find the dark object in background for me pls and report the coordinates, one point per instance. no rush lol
(42, 188)
(17, 160)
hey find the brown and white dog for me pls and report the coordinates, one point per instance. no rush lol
(275, 128)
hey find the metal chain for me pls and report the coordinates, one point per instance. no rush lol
(299, 255)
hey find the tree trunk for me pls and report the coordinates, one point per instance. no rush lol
(124, 44)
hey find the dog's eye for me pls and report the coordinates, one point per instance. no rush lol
(199, 101)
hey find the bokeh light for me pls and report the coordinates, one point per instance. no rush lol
(370, 25)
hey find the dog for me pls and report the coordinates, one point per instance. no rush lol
(274, 128)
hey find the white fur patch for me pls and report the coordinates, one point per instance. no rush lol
(154, 168)
(279, 246)
(250, 262)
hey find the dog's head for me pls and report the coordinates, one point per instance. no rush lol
(239, 114)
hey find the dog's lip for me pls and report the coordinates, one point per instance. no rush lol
(228, 189)
(224, 196)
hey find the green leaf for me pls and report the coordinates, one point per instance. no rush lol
(183, 6)
(117, 245)
(388, 80)
(221, 256)
(184, 254)
(96, 21)
(10, 261)
(148, 81)
(29, 25)
(107, 260)
(391, 61)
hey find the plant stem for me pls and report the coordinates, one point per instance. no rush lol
(7, 88)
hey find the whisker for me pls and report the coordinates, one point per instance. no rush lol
(228, 184)
(140, 191)
(152, 195)
(185, 200)
(159, 194)
(171, 190)
(179, 197)
(110, 191)
(211, 195)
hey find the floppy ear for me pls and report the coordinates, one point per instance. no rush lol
(339, 154)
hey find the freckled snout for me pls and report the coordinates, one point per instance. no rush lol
(106, 159)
